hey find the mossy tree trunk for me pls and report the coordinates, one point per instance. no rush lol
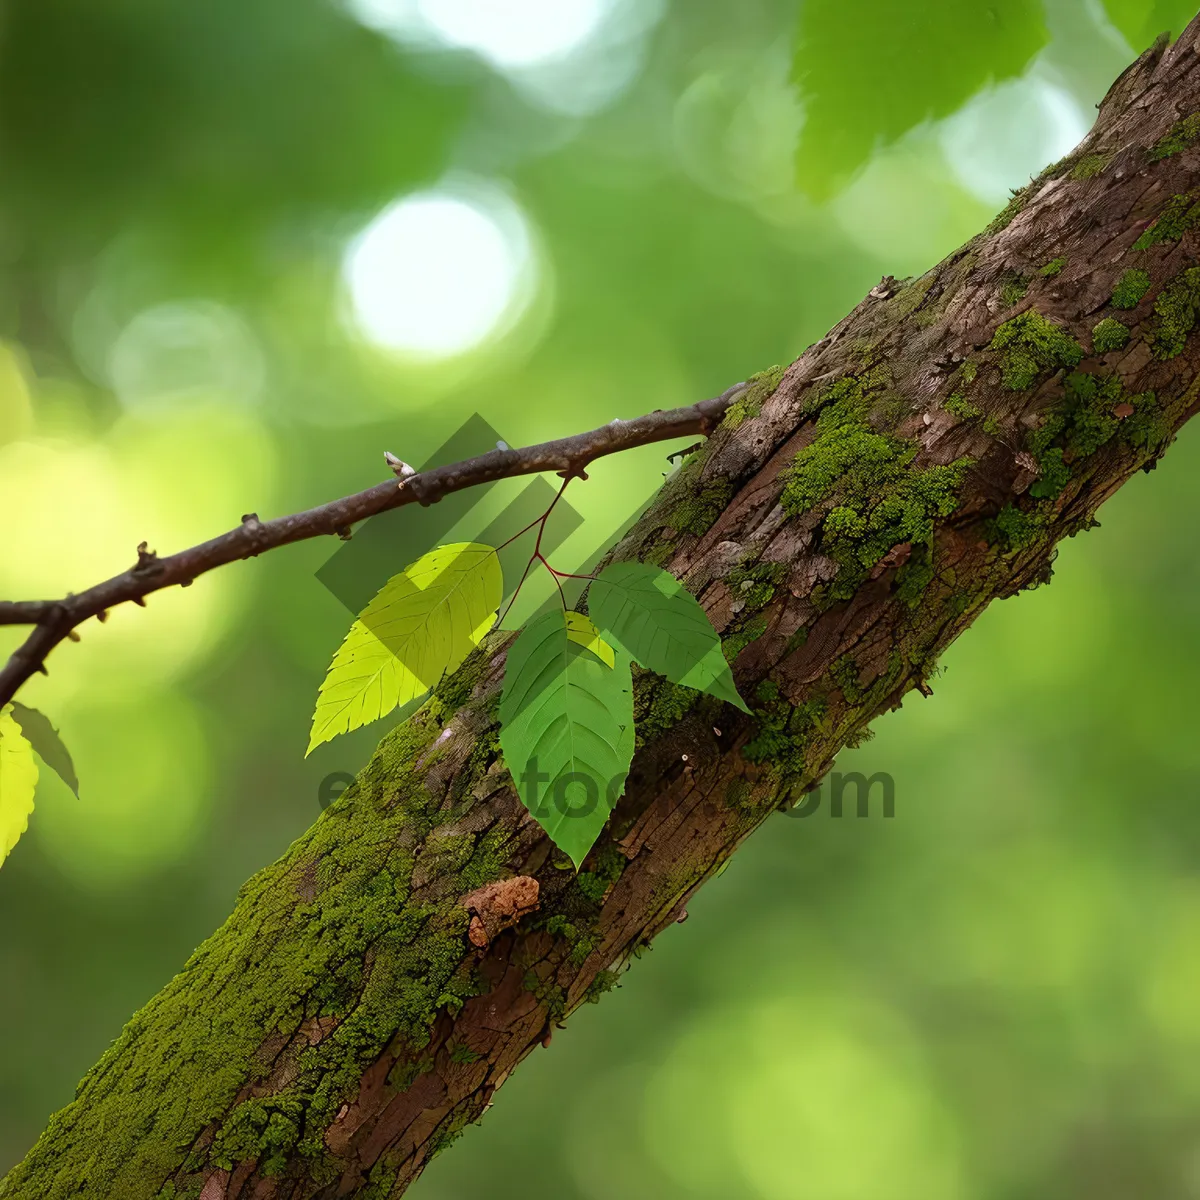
(853, 515)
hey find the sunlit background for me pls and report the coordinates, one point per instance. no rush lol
(246, 248)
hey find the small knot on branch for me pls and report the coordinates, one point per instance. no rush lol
(344, 532)
(147, 559)
(426, 493)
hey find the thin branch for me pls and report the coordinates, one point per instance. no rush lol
(561, 594)
(24, 612)
(54, 620)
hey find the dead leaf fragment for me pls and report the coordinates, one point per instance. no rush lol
(498, 906)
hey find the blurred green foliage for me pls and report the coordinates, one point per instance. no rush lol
(867, 73)
(1141, 21)
(991, 994)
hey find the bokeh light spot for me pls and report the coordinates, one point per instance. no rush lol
(1009, 132)
(819, 1096)
(137, 483)
(437, 273)
(177, 354)
(518, 33)
(572, 57)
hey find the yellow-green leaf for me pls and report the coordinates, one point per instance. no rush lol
(421, 624)
(583, 633)
(18, 779)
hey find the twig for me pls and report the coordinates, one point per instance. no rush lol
(54, 620)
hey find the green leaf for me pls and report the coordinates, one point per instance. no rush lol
(870, 70)
(1141, 21)
(581, 631)
(421, 624)
(649, 614)
(18, 780)
(47, 743)
(566, 731)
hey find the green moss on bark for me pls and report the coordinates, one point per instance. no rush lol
(735, 640)
(1017, 201)
(1013, 529)
(1094, 409)
(1178, 138)
(1088, 166)
(1175, 313)
(784, 732)
(607, 864)
(1108, 335)
(915, 576)
(658, 704)
(754, 586)
(1131, 287)
(696, 504)
(1180, 215)
(1029, 345)
(1013, 286)
(750, 402)
(604, 982)
(962, 408)
(845, 674)
(330, 935)
(912, 294)
(881, 500)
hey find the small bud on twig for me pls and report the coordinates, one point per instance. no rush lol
(399, 467)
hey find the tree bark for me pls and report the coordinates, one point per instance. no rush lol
(850, 518)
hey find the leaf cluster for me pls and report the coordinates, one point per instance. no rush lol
(566, 710)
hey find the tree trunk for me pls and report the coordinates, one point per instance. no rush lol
(851, 517)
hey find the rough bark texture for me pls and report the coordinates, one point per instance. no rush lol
(853, 515)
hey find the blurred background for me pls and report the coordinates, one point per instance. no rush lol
(245, 248)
